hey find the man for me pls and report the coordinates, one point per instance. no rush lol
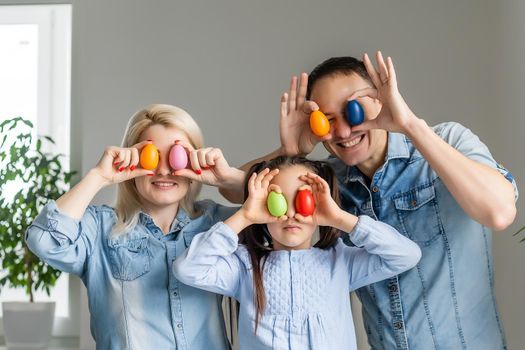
(437, 185)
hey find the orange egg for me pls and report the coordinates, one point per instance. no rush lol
(319, 123)
(149, 157)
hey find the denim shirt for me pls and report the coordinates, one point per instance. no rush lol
(306, 290)
(134, 299)
(447, 301)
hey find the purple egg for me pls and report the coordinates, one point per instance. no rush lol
(178, 158)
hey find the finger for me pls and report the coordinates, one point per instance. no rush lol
(282, 218)
(391, 71)
(213, 156)
(305, 187)
(268, 178)
(309, 107)
(284, 105)
(303, 84)
(201, 156)
(260, 176)
(251, 183)
(126, 155)
(362, 93)
(140, 172)
(135, 158)
(293, 94)
(141, 144)
(303, 219)
(366, 125)
(194, 161)
(372, 72)
(187, 173)
(188, 146)
(274, 188)
(383, 72)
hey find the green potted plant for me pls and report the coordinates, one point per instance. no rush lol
(29, 177)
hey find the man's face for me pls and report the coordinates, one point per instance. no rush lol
(363, 148)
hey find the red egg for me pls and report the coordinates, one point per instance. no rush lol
(304, 202)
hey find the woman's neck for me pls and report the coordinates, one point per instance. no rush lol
(162, 217)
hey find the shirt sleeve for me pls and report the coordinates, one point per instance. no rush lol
(466, 142)
(61, 241)
(380, 252)
(210, 262)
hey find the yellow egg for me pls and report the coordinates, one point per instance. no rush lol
(149, 157)
(319, 123)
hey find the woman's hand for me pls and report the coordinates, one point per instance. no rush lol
(209, 166)
(119, 164)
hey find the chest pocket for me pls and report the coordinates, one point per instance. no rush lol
(418, 213)
(130, 259)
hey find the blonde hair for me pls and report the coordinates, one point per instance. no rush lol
(128, 204)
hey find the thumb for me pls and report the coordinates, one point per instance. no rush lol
(187, 173)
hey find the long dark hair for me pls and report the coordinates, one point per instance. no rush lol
(257, 238)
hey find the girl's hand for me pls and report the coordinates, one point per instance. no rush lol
(119, 164)
(254, 208)
(395, 115)
(327, 212)
(209, 166)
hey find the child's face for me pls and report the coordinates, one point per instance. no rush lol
(291, 234)
(163, 189)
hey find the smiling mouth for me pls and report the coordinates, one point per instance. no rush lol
(164, 184)
(351, 143)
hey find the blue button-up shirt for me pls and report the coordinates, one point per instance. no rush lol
(134, 299)
(447, 301)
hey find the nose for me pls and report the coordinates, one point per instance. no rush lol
(341, 129)
(290, 212)
(163, 168)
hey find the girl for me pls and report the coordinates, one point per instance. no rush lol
(293, 295)
(124, 254)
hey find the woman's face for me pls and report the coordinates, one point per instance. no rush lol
(162, 190)
(290, 234)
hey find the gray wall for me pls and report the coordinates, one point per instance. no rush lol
(227, 63)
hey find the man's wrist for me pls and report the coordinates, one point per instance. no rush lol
(416, 128)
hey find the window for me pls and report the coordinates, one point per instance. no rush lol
(35, 79)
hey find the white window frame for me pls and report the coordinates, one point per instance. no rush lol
(53, 106)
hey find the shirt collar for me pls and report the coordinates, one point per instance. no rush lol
(181, 220)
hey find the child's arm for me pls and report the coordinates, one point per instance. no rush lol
(381, 252)
(210, 263)
(64, 233)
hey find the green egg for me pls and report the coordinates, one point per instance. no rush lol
(276, 204)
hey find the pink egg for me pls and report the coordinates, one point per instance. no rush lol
(178, 158)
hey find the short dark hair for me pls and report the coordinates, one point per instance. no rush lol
(337, 65)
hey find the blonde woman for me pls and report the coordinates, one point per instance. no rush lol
(124, 254)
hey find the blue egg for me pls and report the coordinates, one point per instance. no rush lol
(354, 113)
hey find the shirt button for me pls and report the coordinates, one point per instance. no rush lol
(175, 293)
(179, 325)
(375, 189)
(398, 325)
(414, 203)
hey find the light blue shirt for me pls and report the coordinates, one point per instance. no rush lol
(134, 299)
(307, 291)
(447, 301)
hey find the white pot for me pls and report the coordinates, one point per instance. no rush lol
(28, 325)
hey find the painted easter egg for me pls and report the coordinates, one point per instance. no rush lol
(354, 113)
(304, 202)
(276, 204)
(319, 123)
(149, 157)
(178, 157)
